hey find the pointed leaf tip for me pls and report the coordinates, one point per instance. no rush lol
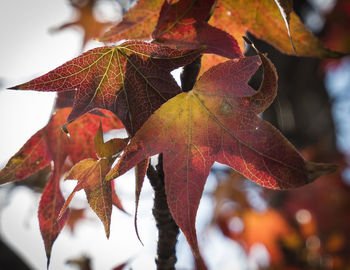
(140, 173)
(99, 141)
(48, 258)
(116, 201)
(50, 204)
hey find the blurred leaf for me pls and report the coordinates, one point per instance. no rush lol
(86, 20)
(336, 33)
(137, 23)
(82, 263)
(74, 217)
(263, 19)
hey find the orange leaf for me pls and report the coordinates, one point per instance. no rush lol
(263, 19)
(137, 23)
(210, 60)
(86, 20)
(267, 228)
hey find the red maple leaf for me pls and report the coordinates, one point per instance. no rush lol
(113, 78)
(218, 121)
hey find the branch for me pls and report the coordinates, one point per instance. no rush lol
(189, 74)
(167, 228)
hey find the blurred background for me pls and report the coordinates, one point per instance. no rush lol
(240, 225)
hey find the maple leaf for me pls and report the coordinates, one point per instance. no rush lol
(38, 152)
(137, 23)
(263, 19)
(86, 20)
(90, 174)
(51, 144)
(217, 121)
(132, 80)
(184, 23)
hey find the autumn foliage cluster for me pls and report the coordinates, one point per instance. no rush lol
(127, 84)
